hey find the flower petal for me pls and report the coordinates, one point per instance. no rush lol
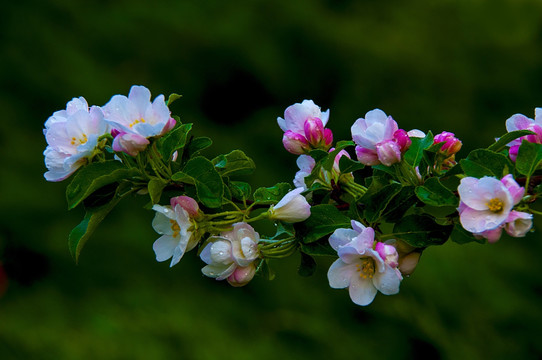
(340, 273)
(362, 291)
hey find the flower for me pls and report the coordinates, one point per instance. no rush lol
(306, 165)
(177, 226)
(304, 128)
(486, 203)
(517, 224)
(360, 267)
(522, 122)
(379, 139)
(137, 119)
(451, 145)
(231, 255)
(72, 136)
(293, 207)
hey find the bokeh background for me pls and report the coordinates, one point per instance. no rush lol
(458, 65)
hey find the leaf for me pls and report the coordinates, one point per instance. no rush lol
(462, 236)
(155, 187)
(202, 173)
(173, 140)
(318, 154)
(265, 270)
(271, 194)
(307, 266)
(399, 204)
(93, 176)
(240, 190)
(378, 196)
(504, 140)
(347, 165)
(414, 153)
(483, 162)
(318, 248)
(529, 158)
(324, 220)
(173, 97)
(329, 161)
(82, 232)
(195, 146)
(432, 192)
(233, 164)
(421, 231)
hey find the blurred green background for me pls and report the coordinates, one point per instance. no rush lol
(463, 66)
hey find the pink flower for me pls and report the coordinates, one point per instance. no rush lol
(137, 119)
(72, 136)
(451, 144)
(360, 268)
(518, 223)
(304, 128)
(522, 122)
(486, 203)
(379, 139)
(306, 165)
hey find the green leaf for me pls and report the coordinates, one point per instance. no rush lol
(414, 153)
(196, 145)
(307, 266)
(432, 192)
(483, 162)
(271, 194)
(501, 143)
(399, 204)
(173, 97)
(378, 196)
(318, 248)
(318, 154)
(202, 173)
(240, 190)
(82, 232)
(529, 158)
(421, 231)
(462, 236)
(93, 176)
(233, 164)
(324, 220)
(329, 161)
(173, 140)
(265, 270)
(347, 165)
(155, 187)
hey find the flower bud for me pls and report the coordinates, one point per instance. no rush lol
(328, 137)
(130, 143)
(388, 253)
(170, 124)
(242, 275)
(293, 207)
(187, 203)
(451, 144)
(295, 143)
(513, 187)
(518, 223)
(388, 152)
(402, 139)
(314, 131)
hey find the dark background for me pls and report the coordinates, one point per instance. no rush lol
(463, 66)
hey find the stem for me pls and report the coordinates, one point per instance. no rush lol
(263, 215)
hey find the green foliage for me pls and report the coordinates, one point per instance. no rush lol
(271, 195)
(92, 177)
(155, 188)
(318, 248)
(173, 141)
(347, 165)
(324, 220)
(379, 194)
(421, 231)
(529, 158)
(462, 236)
(432, 192)
(307, 266)
(483, 162)
(234, 164)
(414, 153)
(172, 98)
(503, 141)
(240, 190)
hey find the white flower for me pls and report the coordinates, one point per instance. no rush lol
(293, 207)
(71, 135)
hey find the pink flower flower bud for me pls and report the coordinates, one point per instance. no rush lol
(314, 131)
(451, 144)
(402, 139)
(388, 253)
(293, 207)
(388, 152)
(187, 203)
(295, 143)
(513, 187)
(328, 137)
(242, 275)
(367, 156)
(130, 143)
(518, 223)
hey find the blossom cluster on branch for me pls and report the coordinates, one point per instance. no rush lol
(373, 202)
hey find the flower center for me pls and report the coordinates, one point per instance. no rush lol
(81, 140)
(137, 121)
(495, 205)
(175, 227)
(367, 268)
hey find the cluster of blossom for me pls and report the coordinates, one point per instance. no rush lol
(136, 146)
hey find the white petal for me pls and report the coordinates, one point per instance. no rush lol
(387, 282)
(340, 273)
(164, 247)
(362, 291)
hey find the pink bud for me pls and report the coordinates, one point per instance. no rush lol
(170, 124)
(408, 263)
(115, 132)
(314, 131)
(242, 275)
(451, 144)
(328, 137)
(130, 143)
(513, 152)
(513, 187)
(367, 156)
(388, 152)
(403, 140)
(295, 143)
(187, 203)
(388, 253)
(518, 223)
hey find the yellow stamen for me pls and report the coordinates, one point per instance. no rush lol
(175, 227)
(137, 121)
(367, 268)
(495, 205)
(81, 140)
